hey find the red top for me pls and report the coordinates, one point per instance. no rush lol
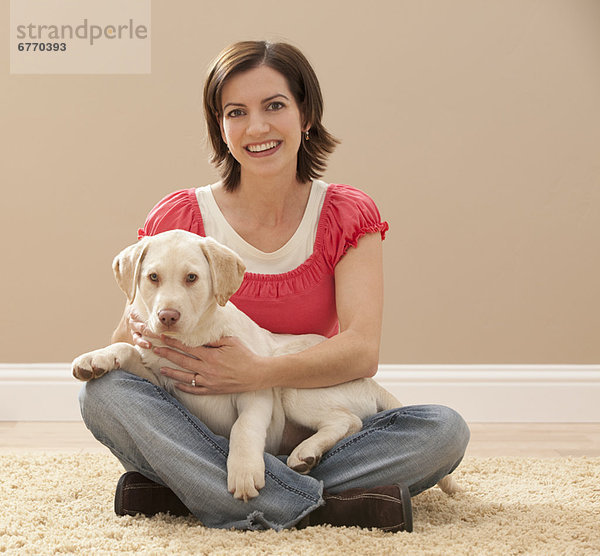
(300, 301)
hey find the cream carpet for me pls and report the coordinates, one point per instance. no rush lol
(62, 504)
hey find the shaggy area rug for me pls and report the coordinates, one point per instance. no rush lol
(62, 504)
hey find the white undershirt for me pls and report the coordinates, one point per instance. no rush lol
(286, 258)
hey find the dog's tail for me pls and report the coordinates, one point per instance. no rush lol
(449, 485)
(386, 400)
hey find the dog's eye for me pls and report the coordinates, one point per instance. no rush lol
(153, 277)
(191, 277)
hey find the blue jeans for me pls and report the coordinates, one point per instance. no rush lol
(151, 432)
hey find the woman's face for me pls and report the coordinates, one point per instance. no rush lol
(261, 123)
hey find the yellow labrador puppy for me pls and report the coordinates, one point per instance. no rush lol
(180, 284)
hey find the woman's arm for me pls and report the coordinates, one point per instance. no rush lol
(353, 353)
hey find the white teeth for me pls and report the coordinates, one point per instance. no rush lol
(262, 147)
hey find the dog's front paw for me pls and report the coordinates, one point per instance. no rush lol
(94, 364)
(244, 479)
(302, 460)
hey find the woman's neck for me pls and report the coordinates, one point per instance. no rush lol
(268, 201)
(266, 214)
(274, 204)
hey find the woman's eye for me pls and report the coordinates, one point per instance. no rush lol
(153, 277)
(191, 277)
(274, 106)
(236, 112)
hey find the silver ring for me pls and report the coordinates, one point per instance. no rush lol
(194, 381)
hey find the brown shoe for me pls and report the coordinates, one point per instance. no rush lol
(387, 508)
(138, 495)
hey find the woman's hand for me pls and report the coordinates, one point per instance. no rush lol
(224, 367)
(138, 328)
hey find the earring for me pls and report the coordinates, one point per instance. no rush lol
(306, 135)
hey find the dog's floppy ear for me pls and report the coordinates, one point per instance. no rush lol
(126, 266)
(226, 269)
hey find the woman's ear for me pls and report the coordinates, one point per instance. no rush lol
(306, 119)
(307, 125)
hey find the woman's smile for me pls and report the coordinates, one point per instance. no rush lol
(263, 149)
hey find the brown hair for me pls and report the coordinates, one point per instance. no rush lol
(303, 84)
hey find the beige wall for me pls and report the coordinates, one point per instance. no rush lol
(475, 125)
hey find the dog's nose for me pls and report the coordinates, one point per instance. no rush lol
(168, 316)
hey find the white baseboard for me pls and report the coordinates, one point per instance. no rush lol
(38, 392)
(501, 393)
(481, 393)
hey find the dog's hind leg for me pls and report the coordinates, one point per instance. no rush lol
(385, 400)
(332, 426)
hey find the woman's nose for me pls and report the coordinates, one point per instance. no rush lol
(257, 125)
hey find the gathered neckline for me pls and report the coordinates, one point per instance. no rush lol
(245, 246)
(309, 263)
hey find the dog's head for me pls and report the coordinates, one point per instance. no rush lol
(173, 278)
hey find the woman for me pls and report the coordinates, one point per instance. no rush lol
(314, 259)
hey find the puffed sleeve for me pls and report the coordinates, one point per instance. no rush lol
(350, 215)
(177, 211)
